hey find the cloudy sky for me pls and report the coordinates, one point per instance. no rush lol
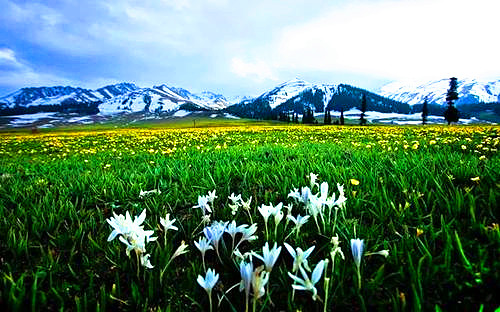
(245, 47)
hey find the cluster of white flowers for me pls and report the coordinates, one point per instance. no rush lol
(254, 277)
(132, 234)
(316, 204)
(205, 201)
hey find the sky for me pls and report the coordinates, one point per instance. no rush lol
(238, 47)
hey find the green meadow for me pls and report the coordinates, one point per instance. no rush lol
(424, 200)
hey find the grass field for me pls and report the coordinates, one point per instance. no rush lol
(424, 200)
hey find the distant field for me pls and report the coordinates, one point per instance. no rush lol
(426, 195)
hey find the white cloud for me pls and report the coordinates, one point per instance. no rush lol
(8, 60)
(258, 71)
(8, 56)
(397, 40)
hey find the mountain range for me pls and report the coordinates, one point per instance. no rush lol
(112, 99)
(294, 96)
(470, 91)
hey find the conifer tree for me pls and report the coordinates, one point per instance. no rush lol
(425, 112)
(328, 118)
(362, 120)
(342, 116)
(451, 114)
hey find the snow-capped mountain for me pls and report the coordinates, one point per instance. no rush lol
(285, 91)
(48, 96)
(118, 98)
(470, 91)
(297, 96)
(40, 96)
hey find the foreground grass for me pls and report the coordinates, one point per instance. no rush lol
(428, 195)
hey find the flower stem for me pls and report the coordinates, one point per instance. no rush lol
(210, 300)
(138, 261)
(250, 215)
(359, 278)
(254, 305)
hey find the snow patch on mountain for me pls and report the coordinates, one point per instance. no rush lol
(293, 88)
(470, 91)
(285, 91)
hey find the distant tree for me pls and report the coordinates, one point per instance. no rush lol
(425, 111)
(341, 116)
(362, 120)
(451, 114)
(308, 116)
(328, 118)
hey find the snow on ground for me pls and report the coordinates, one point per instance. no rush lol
(23, 120)
(213, 115)
(397, 119)
(181, 113)
(81, 119)
(226, 115)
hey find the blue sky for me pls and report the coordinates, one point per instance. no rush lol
(244, 47)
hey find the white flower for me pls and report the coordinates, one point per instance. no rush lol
(277, 213)
(237, 253)
(211, 196)
(203, 245)
(295, 194)
(205, 219)
(132, 234)
(266, 211)
(306, 283)
(203, 204)
(324, 191)
(246, 204)
(357, 246)
(299, 257)
(305, 194)
(145, 261)
(384, 253)
(314, 206)
(182, 249)
(259, 281)
(269, 257)
(299, 221)
(145, 193)
(246, 270)
(313, 178)
(121, 225)
(234, 208)
(336, 249)
(235, 199)
(232, 229)
(214, 232)
(248, 233)
(167, 223)
(209, 281)
(342, 199)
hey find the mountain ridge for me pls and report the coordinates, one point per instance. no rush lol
(470, 91)
(293, 96)
(111, 99)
